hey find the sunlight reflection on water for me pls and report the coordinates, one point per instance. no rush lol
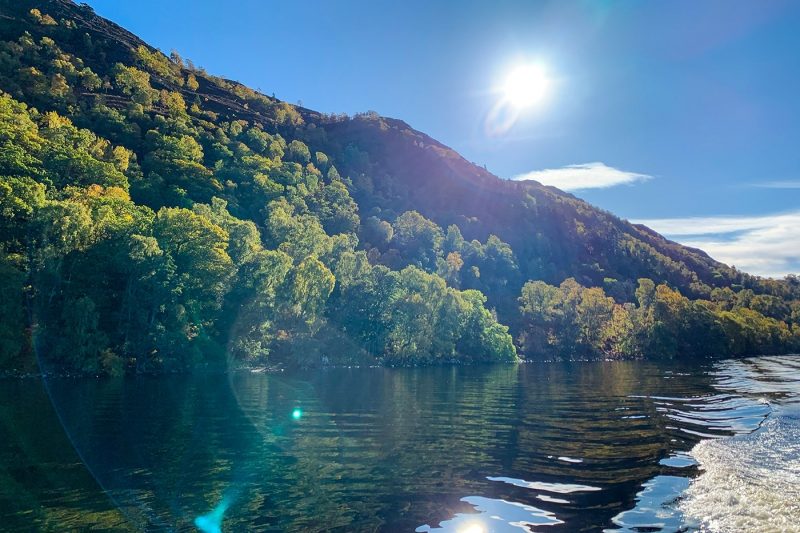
(504, 516)
(495, 515)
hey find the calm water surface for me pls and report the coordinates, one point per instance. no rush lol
(630, 446)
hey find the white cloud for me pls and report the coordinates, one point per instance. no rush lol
(786, 184)
(584, 176)
(767, 245)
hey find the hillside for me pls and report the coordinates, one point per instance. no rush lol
(156, 216)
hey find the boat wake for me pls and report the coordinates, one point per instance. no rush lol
(751, 482)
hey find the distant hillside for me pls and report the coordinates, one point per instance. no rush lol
(190, 220)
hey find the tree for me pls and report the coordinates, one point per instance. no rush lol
(199, 249)
(174, 103)
(594, 314)
(298, 152)
(199, 274)
(78, 157)
(13, 339)
(376, 232)
(191, 82)
(311, 285)
(418, 239)
(253, 306)
(335, 209)
(298, 235)
(572, 321)
(174, 167)
(135, 83)
(82, 343)
(20, 197)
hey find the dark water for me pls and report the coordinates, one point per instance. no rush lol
(535, 447)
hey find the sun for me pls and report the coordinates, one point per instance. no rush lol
(527, 86)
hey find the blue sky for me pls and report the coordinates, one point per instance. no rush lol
(682, 114)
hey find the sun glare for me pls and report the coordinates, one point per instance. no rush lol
(473, 527)
(527, 86)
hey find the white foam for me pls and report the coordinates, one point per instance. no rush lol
(750, 482)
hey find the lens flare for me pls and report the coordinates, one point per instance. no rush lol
(212, 522)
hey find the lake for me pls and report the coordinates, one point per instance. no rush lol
(630, 446)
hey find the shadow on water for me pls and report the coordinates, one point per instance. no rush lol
(43, 483)
(556, 447)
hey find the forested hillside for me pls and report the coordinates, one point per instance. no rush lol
(156, 217)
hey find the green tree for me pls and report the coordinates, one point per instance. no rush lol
(418, 240)
(135, 83)
(335, 209)
(311, 285)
